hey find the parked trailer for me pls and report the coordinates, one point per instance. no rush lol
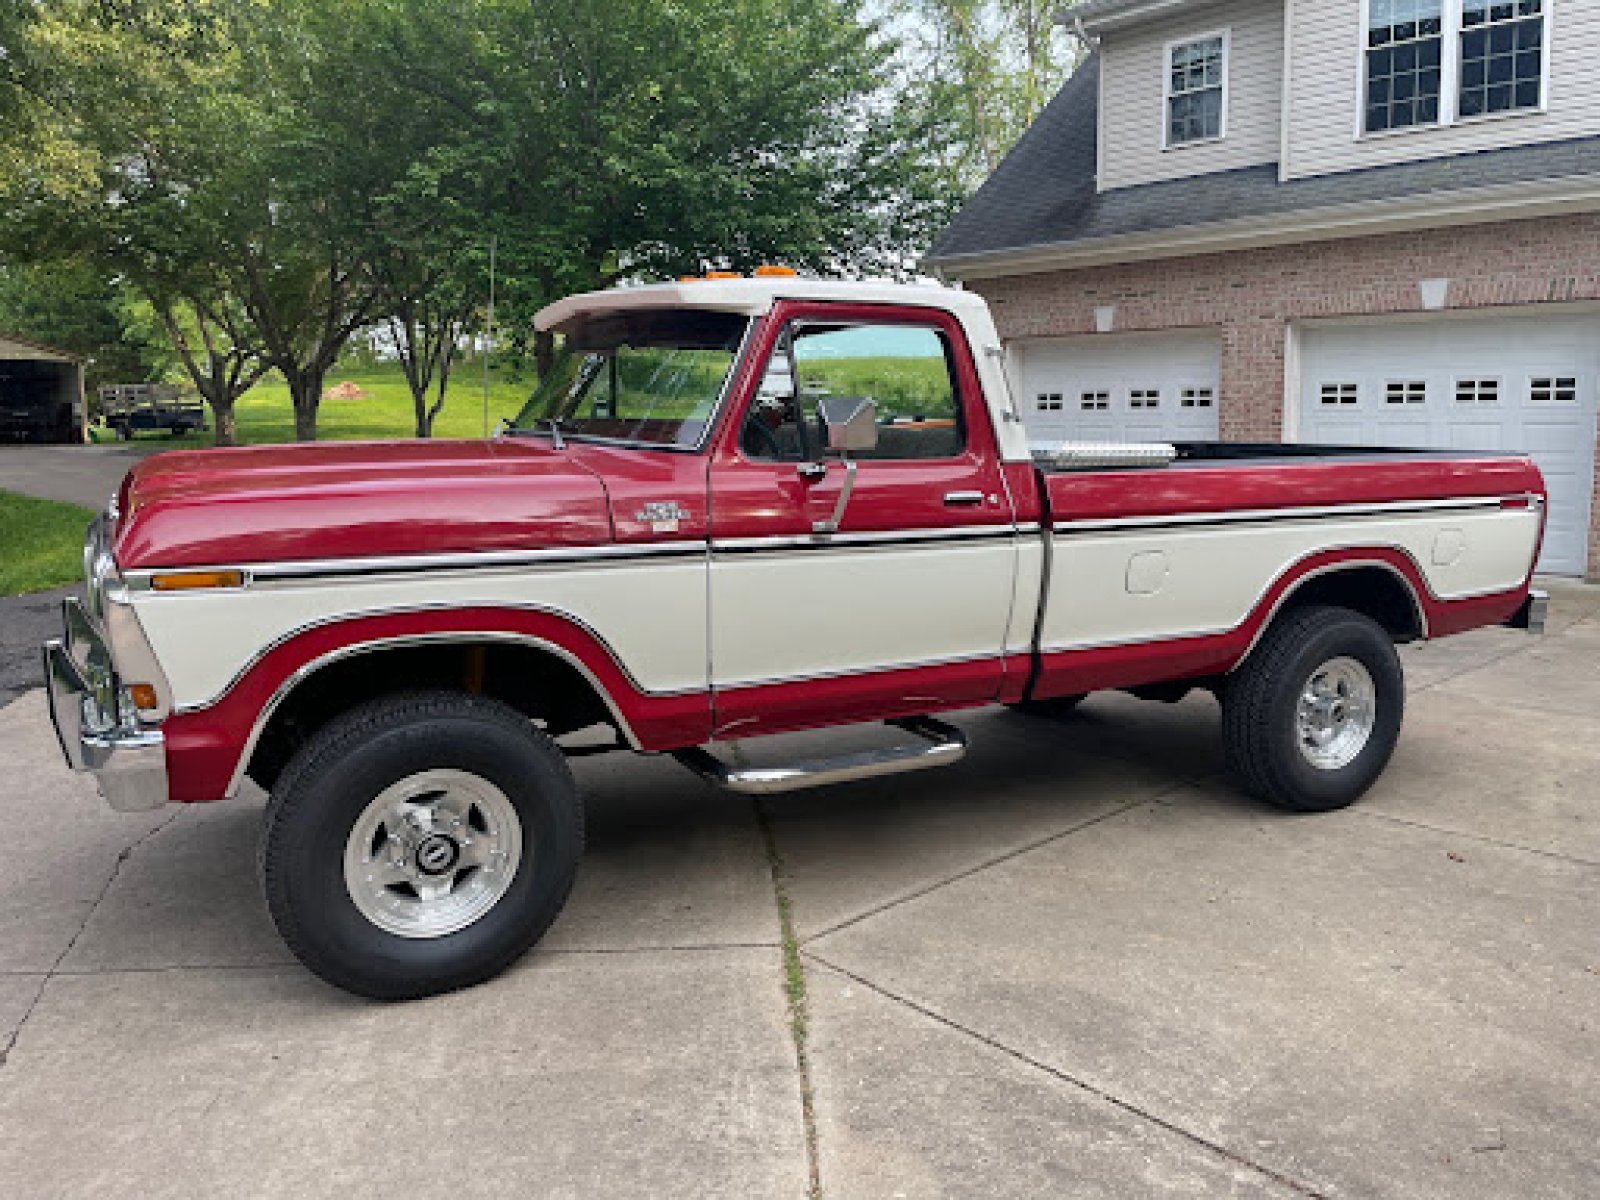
(129, 408)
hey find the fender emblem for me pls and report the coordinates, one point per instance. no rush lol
(662, 516)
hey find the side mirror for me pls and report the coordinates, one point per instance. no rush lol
(852, 425)
(851, 422)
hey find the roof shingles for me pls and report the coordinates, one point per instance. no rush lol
(1043, 193)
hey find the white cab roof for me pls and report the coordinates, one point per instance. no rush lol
(754, 297)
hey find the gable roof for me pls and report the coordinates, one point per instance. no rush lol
(12, 343)
(1040, 207)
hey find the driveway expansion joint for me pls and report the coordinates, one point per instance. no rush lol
(55, 967)
(1127, 1106)
(1474, 837)
(794, 995)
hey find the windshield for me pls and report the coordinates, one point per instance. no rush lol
(650, 377)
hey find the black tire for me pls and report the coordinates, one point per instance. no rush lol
(1260, 706)
(1054, 707)
(329, 784)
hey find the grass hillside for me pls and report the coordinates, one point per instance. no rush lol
(265, 414)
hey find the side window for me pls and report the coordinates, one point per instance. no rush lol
(906, 369)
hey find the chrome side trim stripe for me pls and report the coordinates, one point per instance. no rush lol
(848, 541)
(1280, 515)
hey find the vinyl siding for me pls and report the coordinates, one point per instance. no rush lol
(1133, 96)
(1325, 77)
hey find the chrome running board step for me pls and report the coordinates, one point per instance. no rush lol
(940, 746)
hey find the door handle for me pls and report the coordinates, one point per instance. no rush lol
(963, 498)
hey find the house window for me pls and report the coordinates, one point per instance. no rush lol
(1435, 62)
(1196, 86)
(1095, 401)
(1049, 402)
(1340, 393)
(1502, 56)
(1560, 389)
(1406, 391)
(1477, 391)
(1405, 54)
(1144, 398)
(1197, 397)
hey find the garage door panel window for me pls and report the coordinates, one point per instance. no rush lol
(1144, 398)
(1197, 397)
(1406, 391)
(1049, 402)
(1553, 389)
(1095, 402)
(1478, 392)
(1338, 394)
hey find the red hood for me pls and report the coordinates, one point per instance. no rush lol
(355, 499)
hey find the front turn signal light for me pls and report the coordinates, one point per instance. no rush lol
(143, 696)
(188, 581)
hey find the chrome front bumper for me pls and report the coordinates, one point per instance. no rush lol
(95, 723)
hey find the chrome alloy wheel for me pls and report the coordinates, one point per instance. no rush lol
(432, 853)
(1337, 712)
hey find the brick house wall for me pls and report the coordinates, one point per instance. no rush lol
(1254, 295)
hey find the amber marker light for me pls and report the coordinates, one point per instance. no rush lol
(143, 696)
(189, 581)
(769, 271)
(723, 275)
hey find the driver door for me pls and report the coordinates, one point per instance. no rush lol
(904, 608)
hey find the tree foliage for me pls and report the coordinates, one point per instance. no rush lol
(271, 175)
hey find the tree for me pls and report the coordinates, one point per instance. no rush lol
(74, 307)
(984, 69)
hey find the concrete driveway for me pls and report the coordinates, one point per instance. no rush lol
(86, 475)
(1080, 964)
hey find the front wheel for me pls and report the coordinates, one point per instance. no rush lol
(420, 843)
(1312, 717)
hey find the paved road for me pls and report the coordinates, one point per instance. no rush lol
(1079, 964)
(86, 475)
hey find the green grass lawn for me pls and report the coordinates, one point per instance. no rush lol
(41, 543)
(265, 414)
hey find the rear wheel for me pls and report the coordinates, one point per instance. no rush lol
(420, 843)
(1312, 717)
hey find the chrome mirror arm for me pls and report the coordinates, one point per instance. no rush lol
(831, 525)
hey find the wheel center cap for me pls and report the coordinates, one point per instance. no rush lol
(437, 854)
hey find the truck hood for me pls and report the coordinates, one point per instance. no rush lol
(355, 500)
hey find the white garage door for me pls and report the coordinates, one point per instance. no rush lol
(1120, 389)
(1523, 383)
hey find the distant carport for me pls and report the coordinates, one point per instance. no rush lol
(41, 393)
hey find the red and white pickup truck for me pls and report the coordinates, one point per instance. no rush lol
(735, 507)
